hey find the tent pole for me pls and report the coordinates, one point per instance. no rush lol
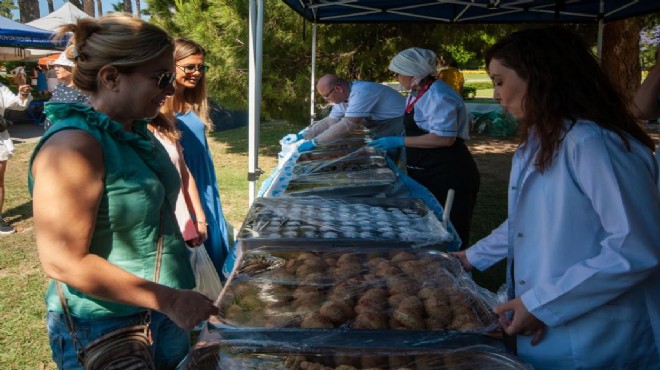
(255, 56)
(312, 96)
(601, 26)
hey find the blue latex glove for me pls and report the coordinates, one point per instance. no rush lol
(291, 138)
(388, 142)
(306, 146)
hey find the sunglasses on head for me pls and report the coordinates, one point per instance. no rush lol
(191, 68)
(165, 79)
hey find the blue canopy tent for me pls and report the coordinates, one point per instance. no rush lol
(440, 11)
(15, 37)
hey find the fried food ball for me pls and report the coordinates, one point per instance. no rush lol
(402, 286)
(411, 320)
(370, 320)
(348, 258)
(403, 256)
(375, 298)
(395, 300)
(333, 312)
(315, 321)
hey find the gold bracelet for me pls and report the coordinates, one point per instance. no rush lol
(202, 223)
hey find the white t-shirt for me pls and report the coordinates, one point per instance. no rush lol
(372, 101)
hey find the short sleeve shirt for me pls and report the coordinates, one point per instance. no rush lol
(441, 111)
(372, 101)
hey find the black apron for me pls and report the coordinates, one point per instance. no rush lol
(443, 168)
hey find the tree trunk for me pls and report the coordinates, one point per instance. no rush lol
(88, 7)
(128, 6)
(29, 10)
(621, 55)
(138, 11)
(99, 5)
(77, 3)
(51, 8)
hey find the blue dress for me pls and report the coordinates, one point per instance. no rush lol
(42, 81)
(197, 156)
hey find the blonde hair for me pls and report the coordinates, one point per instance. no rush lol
(196, 97)
(165, 127)
(120, 40)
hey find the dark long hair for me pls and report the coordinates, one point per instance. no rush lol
(564, 81)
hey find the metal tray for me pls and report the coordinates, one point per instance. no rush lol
(365, 182)
(343, 164)
(283, 221)
(387, 351)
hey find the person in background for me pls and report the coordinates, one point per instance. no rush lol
(189, 107)
(436, 130)
(372, 105)
(9, 100)
(42, 80)
(20, 77)
(52, 79)
(647, 99)
(104, 193)
(65, 92)
(581, 238)
(187, 203)
(453, 77)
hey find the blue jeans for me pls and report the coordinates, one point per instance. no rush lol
(171, 343)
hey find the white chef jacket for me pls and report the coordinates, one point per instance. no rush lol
(585, 241)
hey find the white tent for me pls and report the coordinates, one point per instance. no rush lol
(66, 14)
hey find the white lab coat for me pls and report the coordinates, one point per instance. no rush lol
(585, 241)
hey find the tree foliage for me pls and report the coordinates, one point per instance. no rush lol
(6, 7)
(354, 51)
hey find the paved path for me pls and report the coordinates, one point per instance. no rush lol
(25, 132)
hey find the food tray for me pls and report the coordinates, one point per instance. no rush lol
(337, 350)
(353, 288)
(365, 183)
(330, 154)
(297, 220)
(350, 163)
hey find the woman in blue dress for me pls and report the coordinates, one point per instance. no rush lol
(189, 105)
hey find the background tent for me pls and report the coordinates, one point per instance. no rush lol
(20, 35)
(448, 11)
(66, 14)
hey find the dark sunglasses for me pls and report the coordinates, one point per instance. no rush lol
(165, 79)
(191, 68)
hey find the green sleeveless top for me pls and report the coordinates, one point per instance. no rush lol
(140, 185)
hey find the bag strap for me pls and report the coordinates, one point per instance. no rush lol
(65, 307)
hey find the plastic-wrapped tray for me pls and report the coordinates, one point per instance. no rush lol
(336, 350)
(349, 163)
(287, 220)
(330, 154)
(354, 287)
(357, 183)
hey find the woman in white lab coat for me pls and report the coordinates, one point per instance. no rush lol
(582, 240)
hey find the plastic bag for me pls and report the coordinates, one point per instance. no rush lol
(207, 280)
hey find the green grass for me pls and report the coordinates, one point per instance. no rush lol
(23, 335)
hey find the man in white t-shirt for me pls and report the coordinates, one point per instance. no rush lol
(372, 105)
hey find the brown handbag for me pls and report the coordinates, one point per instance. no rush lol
(127, 348)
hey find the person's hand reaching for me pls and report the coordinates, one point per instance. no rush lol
(188, 308)
(388, 142)
(291, 138)
(306, 146)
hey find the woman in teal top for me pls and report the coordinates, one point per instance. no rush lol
(103, 194)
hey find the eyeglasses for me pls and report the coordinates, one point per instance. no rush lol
(191, 68)
(327, 96)
(165, 79)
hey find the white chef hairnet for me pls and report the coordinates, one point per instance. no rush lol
(414, 62)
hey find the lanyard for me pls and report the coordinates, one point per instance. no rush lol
(411, 104)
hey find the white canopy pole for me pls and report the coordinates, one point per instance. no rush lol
(312, 96)
(255, 56)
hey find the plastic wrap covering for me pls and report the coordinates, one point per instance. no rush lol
(285, 220)
(355, 161)
(368, 182)
(374, 288)
(335, 350)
